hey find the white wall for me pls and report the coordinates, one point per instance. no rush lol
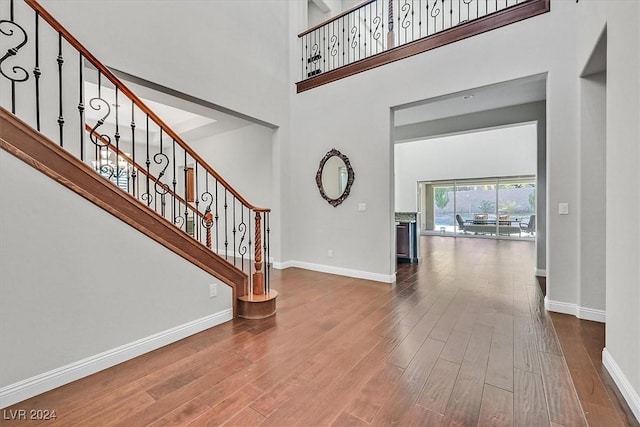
(353, 115)
(593, 191)
(243, 158)
(75, 281)
(191, 45)
(621, 18)
(509, 151)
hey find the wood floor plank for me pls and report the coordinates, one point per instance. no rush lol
(370, 399)
(437, 390)
(404, 396)
(496, 409)
(465, 327)
(245, 418)
(442, 330)
(529, 400)
(324, 409)
(601, 416)
(407, 349)
(464, 405)
(225, 410)
(562, 399)
(419, 416)
(456, 346)
(500, 365)
(525, 352)
(347, 420)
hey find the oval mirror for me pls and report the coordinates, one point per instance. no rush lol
(334, 177)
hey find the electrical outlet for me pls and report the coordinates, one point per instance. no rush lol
(213, 291)
(330, 253)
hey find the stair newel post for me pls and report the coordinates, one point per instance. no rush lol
(258, 276)
(390, 38)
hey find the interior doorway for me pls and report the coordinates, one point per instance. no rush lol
(471, 113)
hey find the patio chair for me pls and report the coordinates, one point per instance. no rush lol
(529, 227)
(460, 223)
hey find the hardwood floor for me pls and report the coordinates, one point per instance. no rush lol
(461, 339)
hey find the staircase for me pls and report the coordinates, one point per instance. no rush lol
(66, 114)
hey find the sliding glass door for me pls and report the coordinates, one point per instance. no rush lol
(480, 207)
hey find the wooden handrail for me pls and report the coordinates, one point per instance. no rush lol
(141, 169)
(38, 151)
(335, 18)
(136, 100)
(510, 15)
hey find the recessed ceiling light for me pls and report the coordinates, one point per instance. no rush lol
(468, 96)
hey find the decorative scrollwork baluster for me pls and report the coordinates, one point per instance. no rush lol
(99, 140)
(354, 40)
(334, 44)
(160, 187)
(242, 246)
(377, 31)
(406, 9)
(19, 74)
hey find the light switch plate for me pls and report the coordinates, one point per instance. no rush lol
(362, 207)
(563, 208)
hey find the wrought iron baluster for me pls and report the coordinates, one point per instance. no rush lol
(160, 187)
(80, 105)
(344, 58)
(249, 244)
(267, 240)
(37, 73)
(174, 182)
(226, 224)
(242, 229)
(18, 73)
(321, 56)
(197, 231)
(100, 141)
(117, 138)
(60, 61)
(186, 194)
(217, 227)
(147, 195)
(233, 209)
(134, 172)
(450, 13)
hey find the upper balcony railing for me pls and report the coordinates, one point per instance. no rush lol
(53, 83)
(381, 31)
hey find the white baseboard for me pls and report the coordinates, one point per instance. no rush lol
(540, 272)
(630, 395)
(281, 265)
(575, 310)
(41, 383)
(359, 274)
